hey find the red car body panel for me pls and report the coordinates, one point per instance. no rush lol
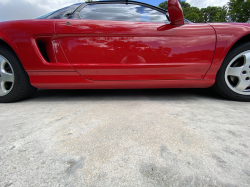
(114, 50)
(72, 80)
(175, 12)
(182, 56)
(21, 36)
(227, 35)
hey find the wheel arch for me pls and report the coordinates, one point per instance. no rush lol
(7, 45)
(243, 39)
(219, 58)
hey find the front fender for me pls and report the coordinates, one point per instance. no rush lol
(227, 35)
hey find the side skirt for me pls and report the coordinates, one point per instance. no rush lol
(72, 80)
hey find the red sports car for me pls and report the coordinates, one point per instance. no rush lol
(122, 45)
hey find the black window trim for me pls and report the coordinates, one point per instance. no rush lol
(52, 14)
(129, 2)
(77, 11)
(162, 10)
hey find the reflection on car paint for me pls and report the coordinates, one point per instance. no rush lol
(97, 50)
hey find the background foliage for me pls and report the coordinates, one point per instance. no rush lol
(234, 11)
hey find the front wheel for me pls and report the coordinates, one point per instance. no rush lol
(14, 81)
(233, 78)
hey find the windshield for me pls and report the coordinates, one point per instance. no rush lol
(46, 15)
(61, 13)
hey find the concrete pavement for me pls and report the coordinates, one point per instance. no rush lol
(166, 137)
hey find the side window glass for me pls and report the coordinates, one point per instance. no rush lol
(122, 12)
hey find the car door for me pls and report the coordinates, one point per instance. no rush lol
(119, 41)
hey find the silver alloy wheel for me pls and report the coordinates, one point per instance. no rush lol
(237, 74)
(7, 77)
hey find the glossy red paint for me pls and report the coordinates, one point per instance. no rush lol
(72, 80)
(227, 35)
(121, 54)
(114, 50)
(22, 35)
(175, 12)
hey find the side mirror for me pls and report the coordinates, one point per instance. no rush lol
(175, 12)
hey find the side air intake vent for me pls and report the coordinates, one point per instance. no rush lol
(42, 47)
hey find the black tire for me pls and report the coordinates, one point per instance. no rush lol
(22, 88)
(220, 85)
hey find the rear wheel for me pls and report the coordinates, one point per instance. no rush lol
(233, 78)
(14, 81)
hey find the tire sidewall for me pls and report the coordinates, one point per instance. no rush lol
(17, 72)
(220, 78)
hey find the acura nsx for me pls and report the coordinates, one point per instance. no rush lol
(122, 45)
